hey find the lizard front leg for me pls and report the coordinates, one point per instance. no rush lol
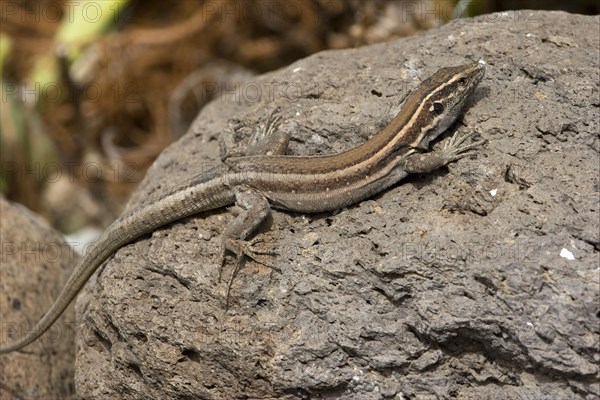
(452, 150)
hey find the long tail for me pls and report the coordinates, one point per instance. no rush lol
(185, 201)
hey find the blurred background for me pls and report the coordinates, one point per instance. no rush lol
(92, 91)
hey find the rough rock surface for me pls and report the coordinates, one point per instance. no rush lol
(35, 264)
(479, 280)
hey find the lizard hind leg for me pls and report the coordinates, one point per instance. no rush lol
(269, 140)
(255, 209)
(266, 139)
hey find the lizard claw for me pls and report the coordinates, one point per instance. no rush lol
(252, 251)
(242, 249)
(454, 148)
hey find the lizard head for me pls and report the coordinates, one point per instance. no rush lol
(442, 98)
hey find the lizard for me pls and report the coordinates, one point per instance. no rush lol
(265, 177)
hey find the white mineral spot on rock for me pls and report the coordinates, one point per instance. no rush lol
(564, 253)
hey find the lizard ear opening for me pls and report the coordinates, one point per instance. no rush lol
(438, 107)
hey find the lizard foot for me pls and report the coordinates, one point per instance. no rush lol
(243, 249)
(454, 149)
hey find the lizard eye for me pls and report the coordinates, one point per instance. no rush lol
(438, 108)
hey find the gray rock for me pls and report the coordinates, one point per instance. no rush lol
(451, 285)
(35, 265)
